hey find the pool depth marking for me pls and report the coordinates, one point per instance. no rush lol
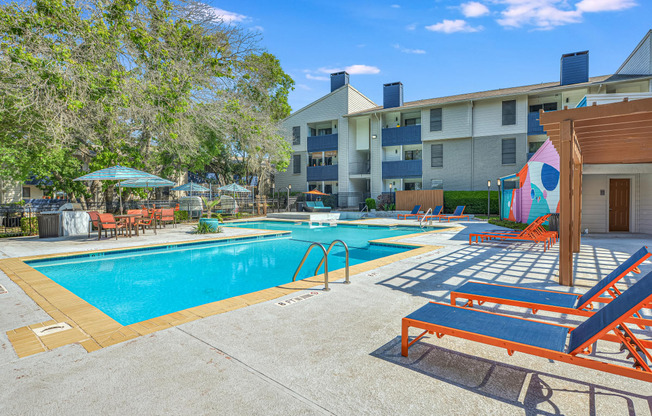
(93, 329)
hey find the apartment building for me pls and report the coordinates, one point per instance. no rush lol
(345, 144)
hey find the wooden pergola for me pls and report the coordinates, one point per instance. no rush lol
(618, 133)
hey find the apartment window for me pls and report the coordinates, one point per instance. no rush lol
(27, 192)
(410, 122)
(435, 119)
(328, 189)
(324, 132)
(437, 155)
(544, 107)
(296, 135)
(509, 112)
(509, 151)
(296, 162)
(412, 155)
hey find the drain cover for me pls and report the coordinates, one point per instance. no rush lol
(51, 329)
(2, 290)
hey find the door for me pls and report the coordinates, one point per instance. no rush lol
(618, 204)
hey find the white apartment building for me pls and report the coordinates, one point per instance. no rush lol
(345, 144)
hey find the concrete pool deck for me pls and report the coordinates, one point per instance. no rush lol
(335, 353)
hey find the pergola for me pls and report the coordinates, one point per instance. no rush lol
(618, 133)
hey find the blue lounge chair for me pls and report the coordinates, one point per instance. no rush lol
(544, 339)
(413, 213)
(310, 206)
(319, 207)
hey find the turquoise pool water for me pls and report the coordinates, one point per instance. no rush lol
(136, 285)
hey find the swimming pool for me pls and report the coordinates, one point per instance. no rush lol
(135, 285)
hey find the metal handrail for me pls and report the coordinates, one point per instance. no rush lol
(424, 217)
(305, 256)
(366, 207)
(346, 267)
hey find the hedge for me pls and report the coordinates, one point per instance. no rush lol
(475, 201)
(25, 225)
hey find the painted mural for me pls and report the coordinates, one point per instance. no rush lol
(539, 187)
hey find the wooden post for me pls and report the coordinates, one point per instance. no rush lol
(565, 203)
(577, 204)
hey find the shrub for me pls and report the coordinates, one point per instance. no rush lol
(475, 201)
(384, 200)
(206, 228)
(181, 216)
(371, 203)
(25, 225)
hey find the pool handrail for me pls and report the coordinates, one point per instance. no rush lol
(346, 267)
(305, 256)
(424, 217)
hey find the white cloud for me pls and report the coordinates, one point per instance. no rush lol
(452, 26)
(411, 26)
(547, 14)
(474, 9)
(316, 77)
(395, 6)
(304, 87)
(226, 16)
(604, 5)
(407, 50)
(357, 69)
(258, 28)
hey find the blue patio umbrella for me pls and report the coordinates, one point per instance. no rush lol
(146, 183)
(234, 187)
(117, 173)
(190, 187)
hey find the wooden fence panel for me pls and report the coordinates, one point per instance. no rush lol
(406, 200)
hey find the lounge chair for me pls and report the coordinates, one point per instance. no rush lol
(319, 207)
(413, 213)
(533, 232)
(552, 300)
(456, 215)
(436, 212)
(107, 222)
(545, 339)
(310, 206)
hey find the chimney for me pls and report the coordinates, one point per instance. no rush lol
(574, 68)
(339, 79)
(392, 95)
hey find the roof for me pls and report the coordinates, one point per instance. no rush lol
(636, 49)
(548, 87)
(345, 86)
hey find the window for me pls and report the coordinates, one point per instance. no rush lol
(296, 162)
(534, 146)
(544, 107)
(296, 135)
(328, 189)
(409, 186)
(509, 151)
(435, 119)
(509, 112)
(412, 155)
(410, 122)
(324, 132)
(437, 155)
(27, 192)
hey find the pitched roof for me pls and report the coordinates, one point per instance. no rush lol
(548, 87)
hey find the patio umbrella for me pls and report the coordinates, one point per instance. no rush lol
(316, 192)
(190, 187)
(234, 187)
(117, 173)
(146, 183)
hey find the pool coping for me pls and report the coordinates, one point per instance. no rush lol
(93, 329)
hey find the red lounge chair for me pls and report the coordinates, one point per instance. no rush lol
(413, 213)
(533, 232)
(552, 300)
(545, 339)
(108, 222)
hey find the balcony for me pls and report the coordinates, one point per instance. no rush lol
(402, 135)
(322, 173)
(533, 126)
(402, 169)
(322, 143)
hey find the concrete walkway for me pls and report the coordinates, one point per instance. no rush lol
(335, 353)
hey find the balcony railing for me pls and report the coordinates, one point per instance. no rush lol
(533, 125)
(322, 173)
(402, 135)
(322, 143)
(402, 169)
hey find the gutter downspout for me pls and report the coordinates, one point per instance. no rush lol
(380, 156)
(472, 145)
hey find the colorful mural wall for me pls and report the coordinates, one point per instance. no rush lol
(538, 192)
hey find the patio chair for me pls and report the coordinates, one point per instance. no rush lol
(457, 214)
(93, 222)
(542, 339)
(319, 207)
(167, 217)
(413, 213)
(107, 222)
(137, 223)
(533, 232)
(552, 300)
(309, 207)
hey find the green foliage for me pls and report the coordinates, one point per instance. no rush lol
(206, 228)
(371, 203)
(475, 201)
(238, 215)
(180, 216)
(210, 205)
(26, 223)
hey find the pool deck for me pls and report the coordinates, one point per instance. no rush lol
(335, 353)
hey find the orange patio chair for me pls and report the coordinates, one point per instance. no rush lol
(533, 232)
(108, 222)
(93, 223)
(167, 216)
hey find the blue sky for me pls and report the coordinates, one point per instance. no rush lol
(438, 48)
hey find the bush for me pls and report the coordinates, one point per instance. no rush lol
(181, 216)
(371, 203)
(25, 225)
(475, 201)
(206, 228)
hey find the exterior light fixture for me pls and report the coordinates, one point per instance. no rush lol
(488, 198)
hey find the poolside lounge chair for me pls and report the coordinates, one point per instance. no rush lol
(319, 207)
(310, 206)
(456, 215)
(107, 222)
(533, 232)
(552, 300)
(413, 213)
(543, 339)
(436, 212)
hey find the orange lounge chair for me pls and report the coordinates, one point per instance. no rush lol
(414, 213)
(533, 232)
(436, 211)
(545, 339)
(552, 300)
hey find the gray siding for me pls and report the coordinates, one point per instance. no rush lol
(640, 62)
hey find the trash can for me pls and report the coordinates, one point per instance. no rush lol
(48, 225)
(553, 222)
(300, 206)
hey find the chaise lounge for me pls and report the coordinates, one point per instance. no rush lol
(413, 213)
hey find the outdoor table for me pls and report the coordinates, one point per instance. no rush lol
(130, 220)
